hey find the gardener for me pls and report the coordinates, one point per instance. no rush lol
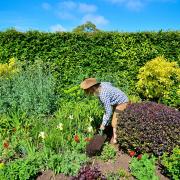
(113, 99)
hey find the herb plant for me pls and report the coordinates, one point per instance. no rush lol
(144, 169)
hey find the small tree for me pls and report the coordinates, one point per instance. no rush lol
(87, 27)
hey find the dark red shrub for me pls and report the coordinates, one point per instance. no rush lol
(89, 173)
(149, 127)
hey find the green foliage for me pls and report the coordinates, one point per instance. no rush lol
(23, 169)
(31, 91)
(144, 169)
(157, 79)
(172, 163)
(108, 152)
(120, 174)
(110, 56)
(87, 27)
(67, 163)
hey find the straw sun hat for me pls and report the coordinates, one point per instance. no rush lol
(89, 82)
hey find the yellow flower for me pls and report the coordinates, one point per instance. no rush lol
(1, 165)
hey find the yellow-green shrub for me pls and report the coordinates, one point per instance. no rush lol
(157, 79)
(8, 68)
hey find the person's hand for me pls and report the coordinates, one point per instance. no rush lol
(102, 127)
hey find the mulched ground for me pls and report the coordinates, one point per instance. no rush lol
(122, 161)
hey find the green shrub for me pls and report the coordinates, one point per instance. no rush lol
(149, 127)
(67, 163)
(143, 169)
(171, 162)
(157, 79)
(31, 91)
(71, 119)
(112, 56)
(108, 152)
(23, 169)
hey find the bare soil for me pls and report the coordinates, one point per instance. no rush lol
(121, 162)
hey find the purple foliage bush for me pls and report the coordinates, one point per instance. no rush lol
(89, 173)
(149, 127)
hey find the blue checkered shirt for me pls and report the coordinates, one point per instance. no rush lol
(109, 96)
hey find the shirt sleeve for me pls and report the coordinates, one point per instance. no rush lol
(108, 109)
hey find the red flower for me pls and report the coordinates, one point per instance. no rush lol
(87, 139)
(76, 138)
(139, 156)
(5, 144)
(132, 153)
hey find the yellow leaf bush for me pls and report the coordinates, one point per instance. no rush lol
(157, 78)
(8, 68)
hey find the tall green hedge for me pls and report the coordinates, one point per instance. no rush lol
(111, 56)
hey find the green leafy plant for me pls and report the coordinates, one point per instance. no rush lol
(108, 152)
(144, 169)
(171, 163)
(120, 174)
(23, 169)
(67, 163)
(30, 91)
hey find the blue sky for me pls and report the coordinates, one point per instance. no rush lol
(110, 15)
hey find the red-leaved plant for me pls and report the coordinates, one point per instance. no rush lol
(149, 126)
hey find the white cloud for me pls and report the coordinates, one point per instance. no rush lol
(46, 6)
(130, 4)
(57, 28)
(67, 5)
(65, 15)
(96, 19)
(87, 8)
(70, 10)
(137, 4)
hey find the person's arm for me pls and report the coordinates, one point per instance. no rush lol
(108, 111)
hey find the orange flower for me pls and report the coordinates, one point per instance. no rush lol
(132, 153)
(139, 156)
(76, 138)
(87, 139)
(5, 144)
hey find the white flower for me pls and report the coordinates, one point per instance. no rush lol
(91, 119)
(42, 135)
(60, 126)
(71, 117)
(90, 129)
